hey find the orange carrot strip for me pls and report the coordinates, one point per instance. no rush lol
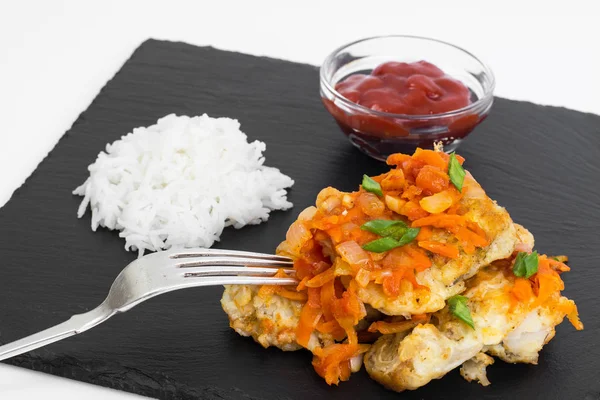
(419, 260)
(291, 294)
(314, 297)
(522, 290)
(558, 266)
(327, 299)
(466, 235)
(322, 278)
(474, 226)
(440, 221)
(387, 328)
(425, 233)
(446, 250)
(302, 284)
(332, 362)
(309, 317)
(420, 317)
(573, 317)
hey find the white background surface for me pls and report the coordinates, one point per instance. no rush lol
(56, 55)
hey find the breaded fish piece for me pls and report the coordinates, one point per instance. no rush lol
(524, 343)
(269, 319)
(513, 331)
(446, 277)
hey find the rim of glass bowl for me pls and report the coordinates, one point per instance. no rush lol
(480, 105)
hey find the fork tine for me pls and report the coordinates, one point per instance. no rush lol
(231, 260)
(233, 271)
(188, 253)
(239, 280)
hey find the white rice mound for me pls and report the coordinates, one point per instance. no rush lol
(180, 182)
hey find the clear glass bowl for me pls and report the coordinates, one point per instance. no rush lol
(380, 134)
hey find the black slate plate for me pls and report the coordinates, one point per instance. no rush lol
(542, 163)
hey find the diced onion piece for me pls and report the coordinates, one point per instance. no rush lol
(347, 201)
(394, 203)
(326, 193)
(356, 363)
(307, 214)
(363, 277)
(297, 236)
(370, 204)
(437, 203)
(330, 203)
(342, 267)
(524, 247)
(352, 253)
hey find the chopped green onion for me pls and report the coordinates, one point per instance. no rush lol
(371, 186)
(381, 245)
(458, 308)
(409, 236)
(385, 227)
(526, 264)
(456, 172)
(393, 240)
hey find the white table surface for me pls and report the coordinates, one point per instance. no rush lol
(56, 55)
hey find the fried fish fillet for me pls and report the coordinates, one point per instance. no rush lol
(446, 276)
(515, 332)
(268, 318)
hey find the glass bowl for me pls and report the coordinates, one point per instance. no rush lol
(379, 133)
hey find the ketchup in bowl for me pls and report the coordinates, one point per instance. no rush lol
(396, 106)
(418, 88)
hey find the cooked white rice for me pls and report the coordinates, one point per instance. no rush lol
(180, 182)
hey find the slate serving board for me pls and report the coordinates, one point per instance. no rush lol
(542, 163)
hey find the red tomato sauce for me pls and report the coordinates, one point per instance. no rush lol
(418, 88)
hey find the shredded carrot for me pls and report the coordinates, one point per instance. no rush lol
(309, 317)
(425, 233)
(419, 260)
(474, 226)
(443, 249)
(558, 265)
(322, 278)
(291, 294)
(302, 284)
(391, 283)
(387, 328)
(573, 317)
(522, 290)
(327, 298)
(468, 236)
(420, 317)
(332, 362)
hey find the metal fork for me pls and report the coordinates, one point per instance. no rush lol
(159, 273)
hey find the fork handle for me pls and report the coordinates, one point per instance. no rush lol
(76, 324)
